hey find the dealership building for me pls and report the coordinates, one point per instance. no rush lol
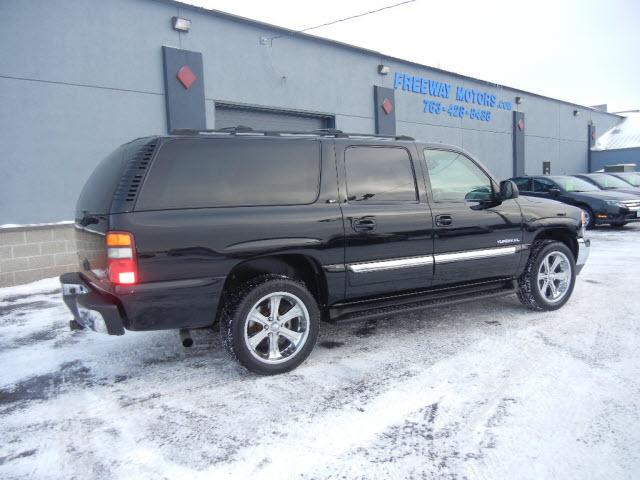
(80, 77)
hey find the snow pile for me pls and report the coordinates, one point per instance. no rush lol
(483, 390)
(625, 134)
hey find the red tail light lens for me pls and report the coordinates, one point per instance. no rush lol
(121, 256)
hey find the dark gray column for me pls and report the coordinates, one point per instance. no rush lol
(518, 143)
(385, 105)
(184, 87)
(591, 141)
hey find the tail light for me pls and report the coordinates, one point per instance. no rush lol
(121, 256)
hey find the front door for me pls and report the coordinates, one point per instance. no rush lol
(388, 225)
(474, 239)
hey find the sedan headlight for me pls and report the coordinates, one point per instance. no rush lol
(615, 203)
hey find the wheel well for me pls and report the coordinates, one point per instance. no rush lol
(298, 267)
(561, 235)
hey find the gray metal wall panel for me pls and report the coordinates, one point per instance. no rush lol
(540, 149)
(257, 119)
(612, 157)
(53, 135)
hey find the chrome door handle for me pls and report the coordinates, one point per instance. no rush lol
(444, 220)
(364, 224)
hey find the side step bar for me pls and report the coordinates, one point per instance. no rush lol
(385, 308)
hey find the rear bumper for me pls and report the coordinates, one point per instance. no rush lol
(584, 248)
(90, 309)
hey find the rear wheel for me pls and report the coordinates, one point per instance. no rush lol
(549, 277)
(272, 326)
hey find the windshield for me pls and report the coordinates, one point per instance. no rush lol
(608, 181)
(632, 178)
(572, 184)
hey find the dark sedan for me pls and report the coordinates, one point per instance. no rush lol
(599, 206)
(632, 178)
(606, 181)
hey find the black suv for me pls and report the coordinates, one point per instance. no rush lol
(267, 233)
(600, 207)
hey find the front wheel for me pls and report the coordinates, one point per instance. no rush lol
(589, 219)
(549, 277)
(272, 325)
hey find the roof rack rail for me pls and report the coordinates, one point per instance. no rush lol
(322, 132)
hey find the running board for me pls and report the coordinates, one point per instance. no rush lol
(373, 309)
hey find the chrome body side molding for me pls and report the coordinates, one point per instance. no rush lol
(474, 254)
(409, 262)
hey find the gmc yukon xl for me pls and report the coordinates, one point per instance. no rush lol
(268, 233)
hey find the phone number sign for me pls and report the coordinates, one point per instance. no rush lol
(461, 103)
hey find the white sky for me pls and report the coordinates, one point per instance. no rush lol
(587, 52)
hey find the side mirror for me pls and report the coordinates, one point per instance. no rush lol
(508, 190)
(554, 192)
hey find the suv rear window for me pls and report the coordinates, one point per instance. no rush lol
(196, 173)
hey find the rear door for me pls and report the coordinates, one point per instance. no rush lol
(472, 240)
(388, 224)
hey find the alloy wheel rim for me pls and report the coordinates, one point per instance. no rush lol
(276, 328)
(554, 277)
(587, 217)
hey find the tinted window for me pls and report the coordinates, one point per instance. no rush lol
(632, 178)
(543, 185)
(193, 173)
(574, 184)
(456, 178)
(379, 174)
(97, 194)
(608, 181)
(523, 184)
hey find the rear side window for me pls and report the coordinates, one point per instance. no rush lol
(379, 174)
(543, 185)
(195, 173)
(523, 184)
(96, 196)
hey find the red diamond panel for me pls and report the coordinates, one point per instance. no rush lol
(186, 77)
(521, 124)
(387, 106)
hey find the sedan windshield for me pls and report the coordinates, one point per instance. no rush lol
(608, 181)
(573, 184)
(632, 178)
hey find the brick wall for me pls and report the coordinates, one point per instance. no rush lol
(32, 253)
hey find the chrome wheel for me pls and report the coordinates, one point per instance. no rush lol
(277, 327)
(554, 277)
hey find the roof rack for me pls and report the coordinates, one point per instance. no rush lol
(323, 132)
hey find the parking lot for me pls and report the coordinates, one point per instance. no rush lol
(484, 390)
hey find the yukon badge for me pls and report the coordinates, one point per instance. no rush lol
(508, 240)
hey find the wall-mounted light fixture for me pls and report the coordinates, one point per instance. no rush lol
(576, 113)
(383, 69)
(518, 100)
(181, 24)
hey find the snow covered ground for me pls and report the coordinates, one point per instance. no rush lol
(484, 390)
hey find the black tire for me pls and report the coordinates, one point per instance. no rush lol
(528, 289)
(234, 321)
(591, 219)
